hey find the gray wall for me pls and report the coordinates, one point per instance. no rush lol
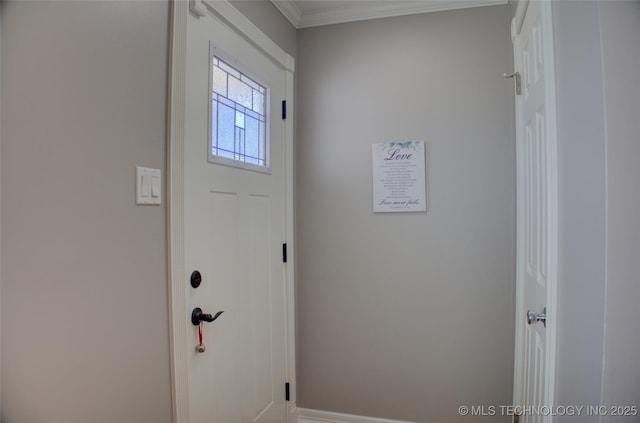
(620, 35)
(85, 334)
(597, 59)
(270, 21)
(406, 316)
(84, 281)
(582, 196)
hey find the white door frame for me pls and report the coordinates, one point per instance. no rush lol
(178, 280)
(553, 207)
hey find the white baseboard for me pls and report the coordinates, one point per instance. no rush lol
(305, 415)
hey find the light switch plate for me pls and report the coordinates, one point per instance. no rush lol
(148, 185)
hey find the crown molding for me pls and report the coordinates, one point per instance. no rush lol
(290, 10)
(370, 10)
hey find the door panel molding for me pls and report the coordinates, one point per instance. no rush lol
(223, 11)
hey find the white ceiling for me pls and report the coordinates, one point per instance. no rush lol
(308, 13)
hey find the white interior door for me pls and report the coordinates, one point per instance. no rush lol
(537, 213)
(235, 220)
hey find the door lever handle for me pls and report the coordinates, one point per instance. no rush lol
(533, 317)
(198, 316)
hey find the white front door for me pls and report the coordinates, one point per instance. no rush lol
(235, 224)
(537, 213)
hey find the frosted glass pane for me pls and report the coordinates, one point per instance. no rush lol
(258, 102)
(252, 134)
(226, 130)
(214, 124)
(240, 151)
(261, 145)
(253, 114)
(240, 92)
(228, 69)
(250, 82)
(239, 119)
(226, 101)
(219, 81)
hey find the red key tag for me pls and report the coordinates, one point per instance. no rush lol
(200, 347)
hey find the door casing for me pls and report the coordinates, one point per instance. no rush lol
(178, 281)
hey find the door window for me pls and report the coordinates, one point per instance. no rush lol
(238, 118)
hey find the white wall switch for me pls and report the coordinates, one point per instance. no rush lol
(148, 185)
(155, 186)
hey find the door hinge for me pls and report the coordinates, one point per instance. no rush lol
(284, 253)
(284, 109)
(516, 76)
(286, 392)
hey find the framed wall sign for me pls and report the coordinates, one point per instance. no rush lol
(399, 177)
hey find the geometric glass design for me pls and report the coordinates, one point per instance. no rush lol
(238, 115)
